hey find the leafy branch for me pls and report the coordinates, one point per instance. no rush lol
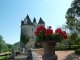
(24, 39)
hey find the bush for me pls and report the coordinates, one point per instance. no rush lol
(73, 47)
(60, 48)
(3, 58)
(77, 51)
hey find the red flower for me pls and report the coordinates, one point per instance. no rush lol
(36, 33)
(62, 33)
(42, 33)
(58, 31)
(65, 36)
(48, 32)
(39, 29)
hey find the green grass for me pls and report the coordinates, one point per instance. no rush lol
(3, 58)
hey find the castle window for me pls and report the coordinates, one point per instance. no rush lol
(32, 29)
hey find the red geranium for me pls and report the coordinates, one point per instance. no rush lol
(47, 34)
(61, 32)
(58, 31)
(39, 29)
(49, 31)
(65, 36)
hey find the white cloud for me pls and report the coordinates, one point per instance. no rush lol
(43, 2)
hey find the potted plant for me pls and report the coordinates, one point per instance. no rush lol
(48, 38)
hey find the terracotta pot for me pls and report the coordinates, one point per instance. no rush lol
(49, 50)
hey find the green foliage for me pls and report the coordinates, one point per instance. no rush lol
(4, 47)
(77, 41)
(72, 37)
(61, 48)
(40, 37)
(73, 47)
(72, 16)
(57, 37)
(53, 37)
(15, 45)
(3, 58)
(77, 51)
(9, 45)
(1, 39)
(24, 39)
(43, 34)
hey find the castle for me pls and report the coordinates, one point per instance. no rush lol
(28, 28)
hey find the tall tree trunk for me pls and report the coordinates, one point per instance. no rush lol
(69, 45)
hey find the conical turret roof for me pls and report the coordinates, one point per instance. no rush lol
(34, 20)
(28, 20)
(41, 21)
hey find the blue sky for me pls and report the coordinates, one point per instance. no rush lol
(12, 11)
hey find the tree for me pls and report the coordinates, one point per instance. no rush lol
(4, 48)
(9, 46)
(24, 39)
(1, 38)
(3, 45)
(73, 37)
(77, 42)
(16, 45)
(73, 17)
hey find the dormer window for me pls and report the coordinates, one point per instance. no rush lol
(25, 21)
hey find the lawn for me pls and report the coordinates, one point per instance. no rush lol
(3, 57)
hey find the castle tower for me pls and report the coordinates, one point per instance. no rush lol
(28, 28)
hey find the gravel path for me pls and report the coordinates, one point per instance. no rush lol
(65, 55)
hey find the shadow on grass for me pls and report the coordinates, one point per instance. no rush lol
(72, 56)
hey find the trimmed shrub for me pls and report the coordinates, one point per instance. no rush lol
(73, 47)
(77, 51)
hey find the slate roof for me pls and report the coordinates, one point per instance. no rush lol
(41, 21)
(34, 20)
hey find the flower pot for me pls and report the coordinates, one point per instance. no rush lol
(49, 50)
